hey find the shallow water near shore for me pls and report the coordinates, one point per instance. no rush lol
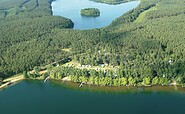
(37, 97)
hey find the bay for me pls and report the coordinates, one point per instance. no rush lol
(71, 9)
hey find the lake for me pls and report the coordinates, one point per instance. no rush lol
(71, 9)
(37, 97)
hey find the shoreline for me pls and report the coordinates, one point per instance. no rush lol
(117, 89)
(16, 78)
(68, 79)
(113, 2)
(11, 80)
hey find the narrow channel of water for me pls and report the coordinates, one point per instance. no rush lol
(71, 9)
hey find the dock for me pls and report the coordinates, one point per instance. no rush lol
(81, 84)
(46, 79)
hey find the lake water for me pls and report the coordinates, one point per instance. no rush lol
(36, 97)
(71, 9)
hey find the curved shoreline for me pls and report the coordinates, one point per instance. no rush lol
(117, 89)
(82, 23)
(113, 3)
(15, 79)
(68, 79)
(11, 80)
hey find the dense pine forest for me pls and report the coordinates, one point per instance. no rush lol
(144, 46)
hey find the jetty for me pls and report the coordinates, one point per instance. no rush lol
(81, 84)
(46, 79)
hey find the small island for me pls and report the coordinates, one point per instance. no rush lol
(90, 12)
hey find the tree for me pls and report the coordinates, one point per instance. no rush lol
(96, 80)
(179, 80)
(146, 81)
(131, 81)
(116, 82)
(155, 81)
(25, 74)
(123, 81)
(36, 70)
(163, 80)
(1, 81)
(91, 79)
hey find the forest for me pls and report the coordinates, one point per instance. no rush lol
(144, 46)
(90, 12)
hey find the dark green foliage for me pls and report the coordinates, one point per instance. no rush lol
(26, 35)
(90, 12)
(1, 81)
(25, 74)
(108, 78)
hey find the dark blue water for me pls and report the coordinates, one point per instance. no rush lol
(35, 97)
(71, 9)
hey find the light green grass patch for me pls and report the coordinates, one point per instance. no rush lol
(67, 49)
(141, 17)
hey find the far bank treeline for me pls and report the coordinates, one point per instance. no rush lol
(146, 50)
(114, 2)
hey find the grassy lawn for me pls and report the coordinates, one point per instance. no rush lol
(71, 63)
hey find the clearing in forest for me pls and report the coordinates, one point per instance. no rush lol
(141, 17)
